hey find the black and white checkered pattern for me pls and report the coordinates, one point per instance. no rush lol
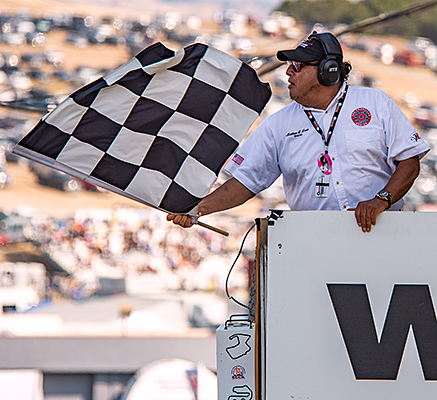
(158, 129)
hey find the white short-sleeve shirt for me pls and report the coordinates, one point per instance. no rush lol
(371, 135)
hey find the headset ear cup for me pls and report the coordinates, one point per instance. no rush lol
(320, 72)
(329, 72)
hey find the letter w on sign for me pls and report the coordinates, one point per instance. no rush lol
(410, 305)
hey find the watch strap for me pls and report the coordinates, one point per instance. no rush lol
(385, 195)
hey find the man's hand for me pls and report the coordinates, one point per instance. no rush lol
(183, 220)
(231, 194)
(366, 212)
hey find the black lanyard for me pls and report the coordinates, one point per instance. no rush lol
(333, 121)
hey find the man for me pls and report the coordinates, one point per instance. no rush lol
(337, 147)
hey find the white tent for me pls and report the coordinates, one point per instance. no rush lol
(172, 379)
(21, 385)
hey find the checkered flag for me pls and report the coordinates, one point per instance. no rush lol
(157, 130)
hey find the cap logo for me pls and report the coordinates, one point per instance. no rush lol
(305, 44)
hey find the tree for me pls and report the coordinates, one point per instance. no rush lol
(331, 12)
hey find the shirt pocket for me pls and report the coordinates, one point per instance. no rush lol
(363, 146)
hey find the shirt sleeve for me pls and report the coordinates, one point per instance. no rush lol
(402, 138)
(255, 164)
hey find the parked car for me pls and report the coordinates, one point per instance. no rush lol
(6, 145)
(410, 58)
(59, 180)
(11, 231)
(5, 179)
(425, 117)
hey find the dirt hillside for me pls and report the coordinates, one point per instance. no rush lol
(395, 80)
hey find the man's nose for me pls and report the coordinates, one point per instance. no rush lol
(290, 70)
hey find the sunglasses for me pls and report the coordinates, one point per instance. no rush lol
(297, 65)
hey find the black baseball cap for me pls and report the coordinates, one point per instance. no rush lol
(309, 50)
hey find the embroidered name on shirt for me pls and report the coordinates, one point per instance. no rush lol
(237, 159)
(361, 116)
(299, 133)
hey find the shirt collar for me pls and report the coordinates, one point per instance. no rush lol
(331, 104)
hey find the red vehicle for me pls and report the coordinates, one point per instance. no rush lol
(410, 58)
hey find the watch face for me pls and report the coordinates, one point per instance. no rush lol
(384, 193)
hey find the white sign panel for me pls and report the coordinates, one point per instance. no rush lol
(351, 315)
(236, 361)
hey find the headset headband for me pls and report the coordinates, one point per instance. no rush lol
(330, 44)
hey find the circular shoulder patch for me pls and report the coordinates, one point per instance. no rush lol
(361, 116)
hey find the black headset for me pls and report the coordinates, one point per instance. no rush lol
(329, 68)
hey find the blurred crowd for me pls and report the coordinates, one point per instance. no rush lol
(132, 244)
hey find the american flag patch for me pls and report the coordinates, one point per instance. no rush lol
(237, 159)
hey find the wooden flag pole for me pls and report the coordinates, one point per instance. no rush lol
(195, 221)
(212, 228)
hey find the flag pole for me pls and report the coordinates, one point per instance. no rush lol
(195, 221)
(212, 228)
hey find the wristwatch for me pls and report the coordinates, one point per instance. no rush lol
(384, 195)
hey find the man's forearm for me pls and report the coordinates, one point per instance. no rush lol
(229, 195)
(403, 178)
(398, 185)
